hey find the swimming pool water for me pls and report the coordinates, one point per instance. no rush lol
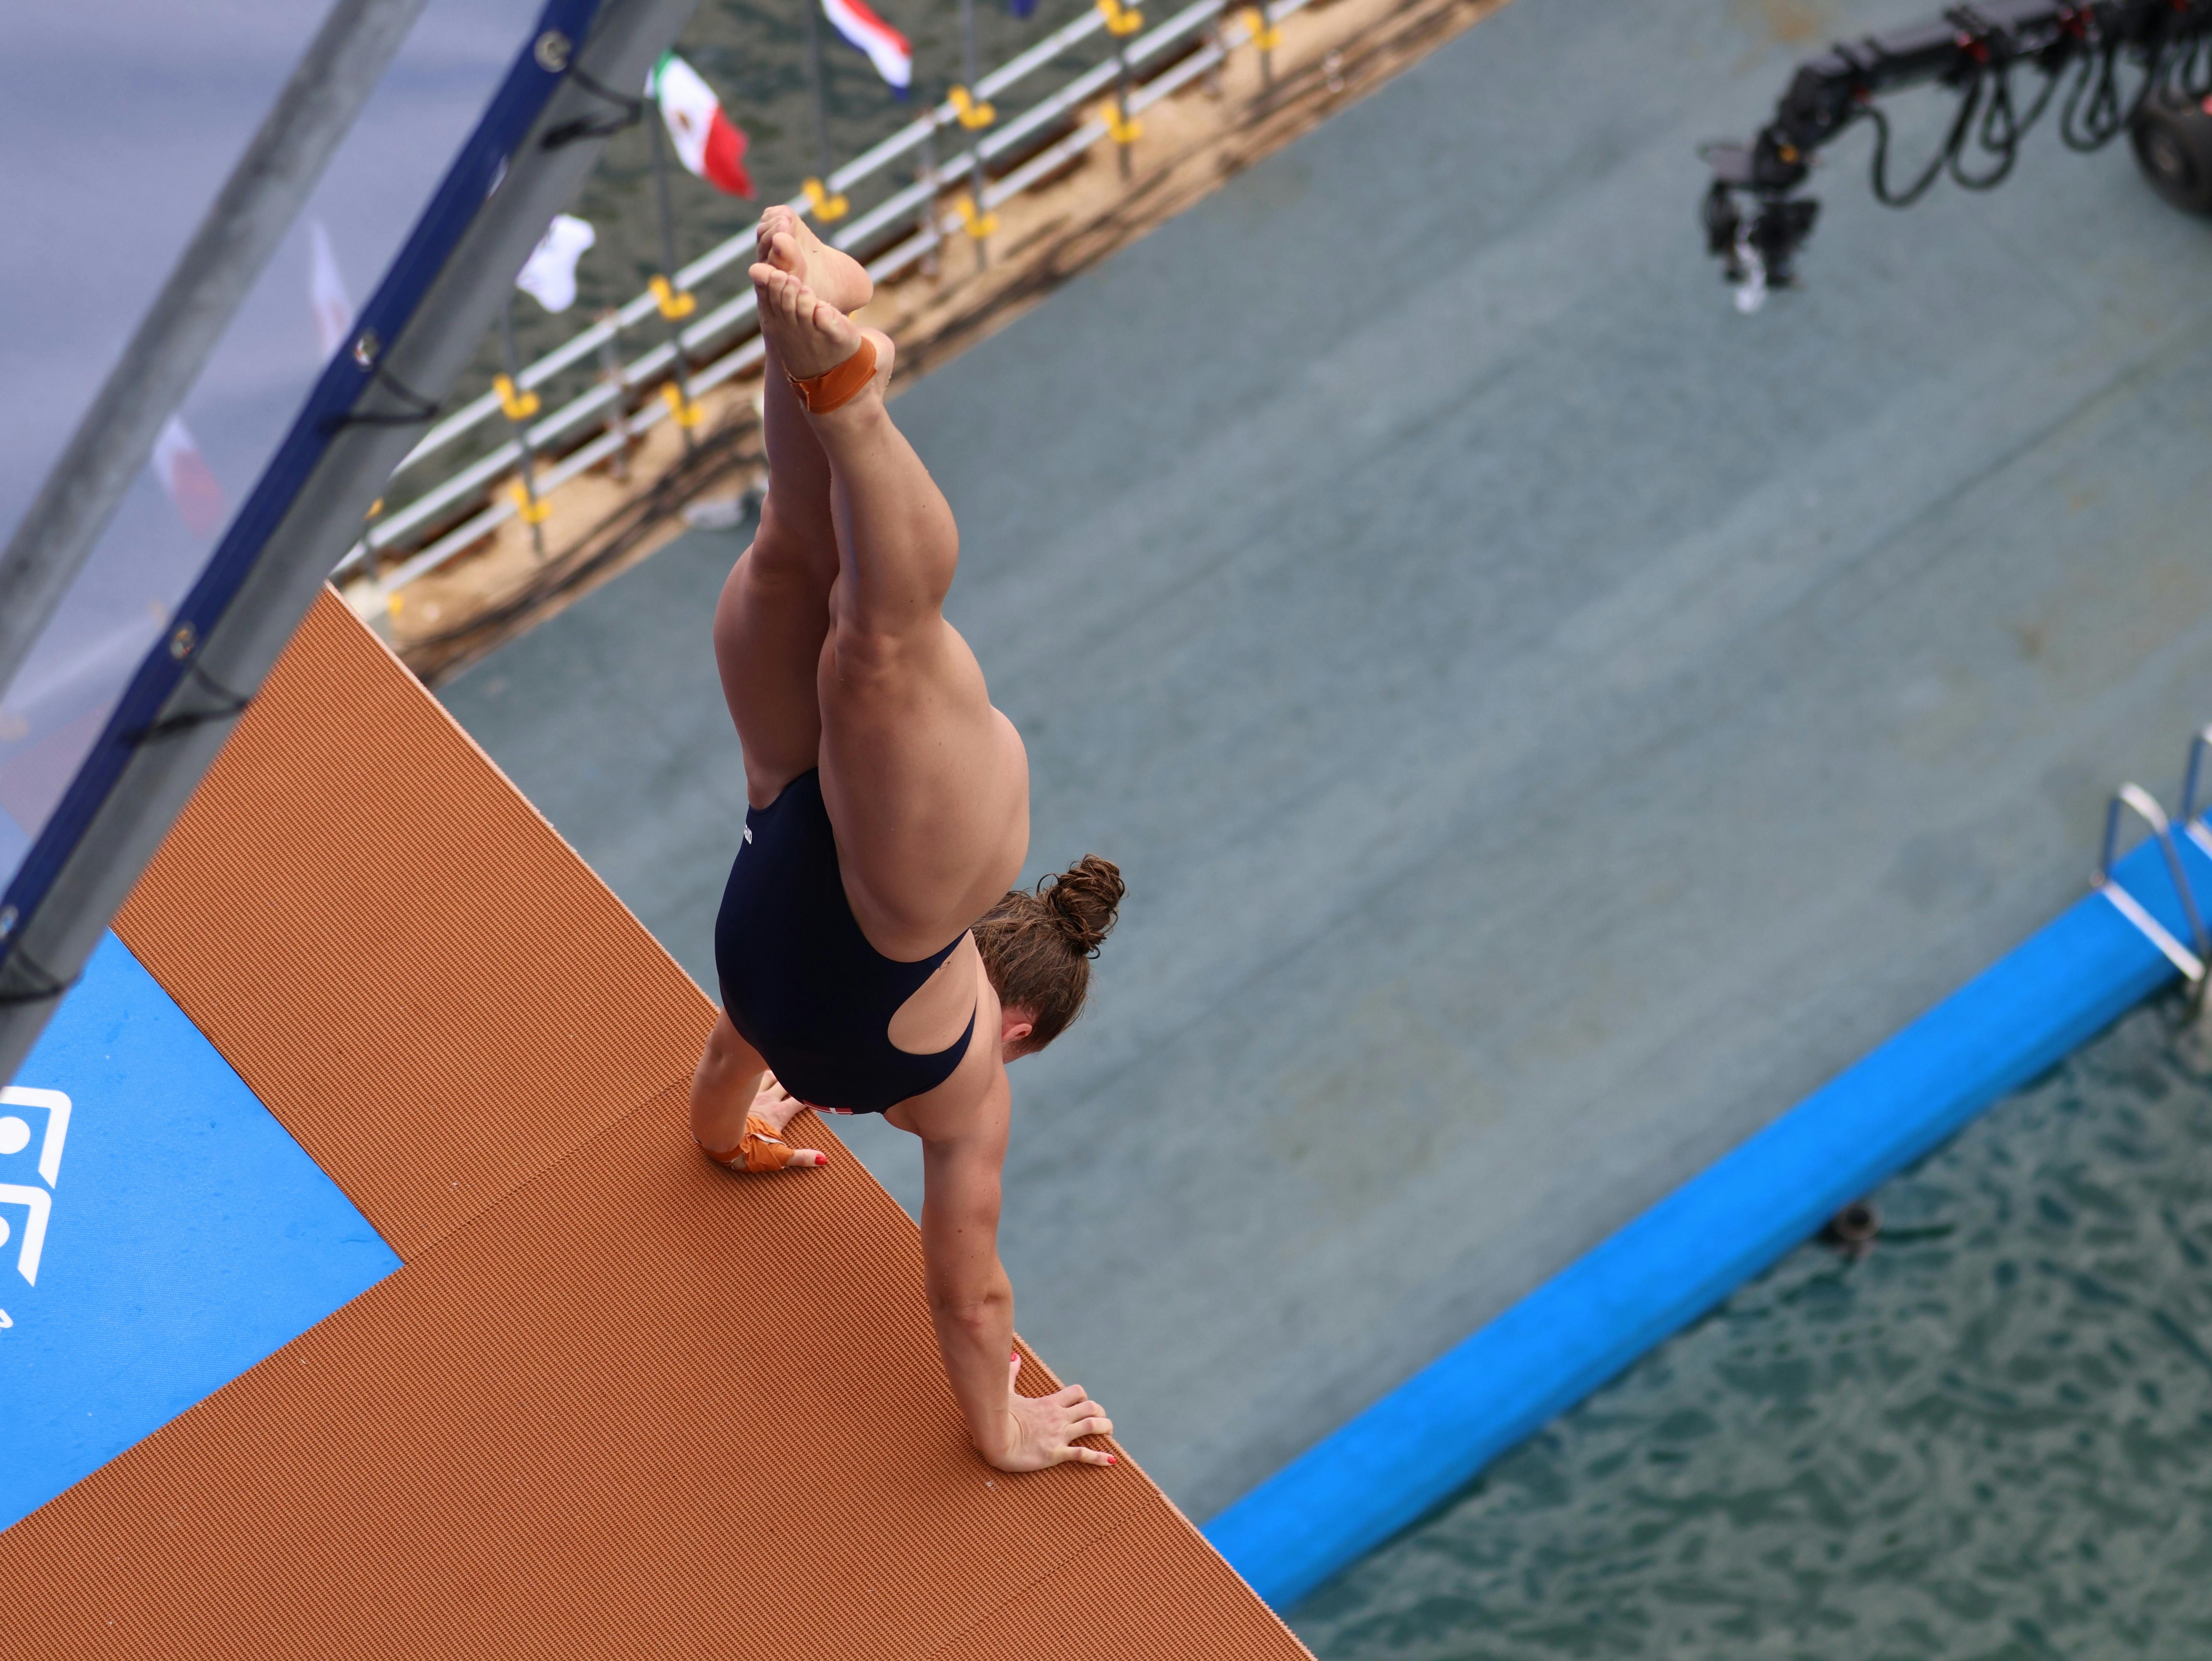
(1990, 1437)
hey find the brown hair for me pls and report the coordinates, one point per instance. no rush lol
(1037, 947)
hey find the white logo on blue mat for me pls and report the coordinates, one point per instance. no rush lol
(15, 1137)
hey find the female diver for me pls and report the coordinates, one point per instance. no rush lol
(873, 959)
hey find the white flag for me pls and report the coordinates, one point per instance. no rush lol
(326, 293)
(549, 276)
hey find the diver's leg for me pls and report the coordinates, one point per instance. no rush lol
(773, 612)
(926, 784)
(731, 1087)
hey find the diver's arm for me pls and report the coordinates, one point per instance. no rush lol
(971, 1303)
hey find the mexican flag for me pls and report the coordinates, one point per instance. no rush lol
(706, 142)
(886, 47)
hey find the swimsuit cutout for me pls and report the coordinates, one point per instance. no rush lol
(799, 981)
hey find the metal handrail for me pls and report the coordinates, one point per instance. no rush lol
(2134, 798)
(636, 310)
(932, 231)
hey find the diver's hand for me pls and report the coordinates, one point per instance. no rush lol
(776, 1107)
(1041, 1430)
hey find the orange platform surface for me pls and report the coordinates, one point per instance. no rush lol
(616, 1402)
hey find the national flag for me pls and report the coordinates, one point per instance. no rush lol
(549, 276)
(886, 47)
(326, 292)
(706, 142)
(188, 479)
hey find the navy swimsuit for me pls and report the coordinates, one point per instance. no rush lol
(799, 979)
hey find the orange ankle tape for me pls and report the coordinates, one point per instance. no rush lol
(834, 388)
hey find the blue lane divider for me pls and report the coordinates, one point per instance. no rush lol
(1432, 1435)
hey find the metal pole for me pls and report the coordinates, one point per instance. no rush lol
(975, 117)
(1122, 136)
(243, 226)
(814, 80)
(610, 372)
(674, 306)
(970, 69)
(1266, 38)
(1122, 21)
(826, 207)
(518, 406)
(925, 173)
(354, 431)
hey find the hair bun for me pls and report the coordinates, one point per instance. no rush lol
(1084, 900)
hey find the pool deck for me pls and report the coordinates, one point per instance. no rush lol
(1550, 724)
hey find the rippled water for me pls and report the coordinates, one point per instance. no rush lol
(1991, 1437)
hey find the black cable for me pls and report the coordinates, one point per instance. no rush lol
(419, 411)
(51, 989)
(234, 705)
(2051, 75)
(586, 126)
(1969, 105)
(1998, 134)
(2154, 74)
(2184, 81)
(2107, 118)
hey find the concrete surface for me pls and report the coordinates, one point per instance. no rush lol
(1549, 723)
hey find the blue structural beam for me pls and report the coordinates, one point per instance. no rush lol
(1429, 1438)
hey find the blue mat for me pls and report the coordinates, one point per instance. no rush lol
(163, 1232)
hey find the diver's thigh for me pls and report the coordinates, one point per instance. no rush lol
(769, 624)
(928, 788)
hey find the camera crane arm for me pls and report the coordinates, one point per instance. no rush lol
(1975, 50)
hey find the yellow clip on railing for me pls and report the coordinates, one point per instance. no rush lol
(1120, 19)
(972, 115)
(1120, 131)
(1264, 35)
(532, 509)
(514, 405)
(673, 306)
(688, 415)
(976, 224)
(826, 207)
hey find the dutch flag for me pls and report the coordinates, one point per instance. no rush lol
(886, 47)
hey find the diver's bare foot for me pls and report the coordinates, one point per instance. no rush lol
(788, 243)
(809, 336)
(774, 1105)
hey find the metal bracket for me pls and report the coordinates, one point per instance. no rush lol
(2191, 825)
(2144, 805)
